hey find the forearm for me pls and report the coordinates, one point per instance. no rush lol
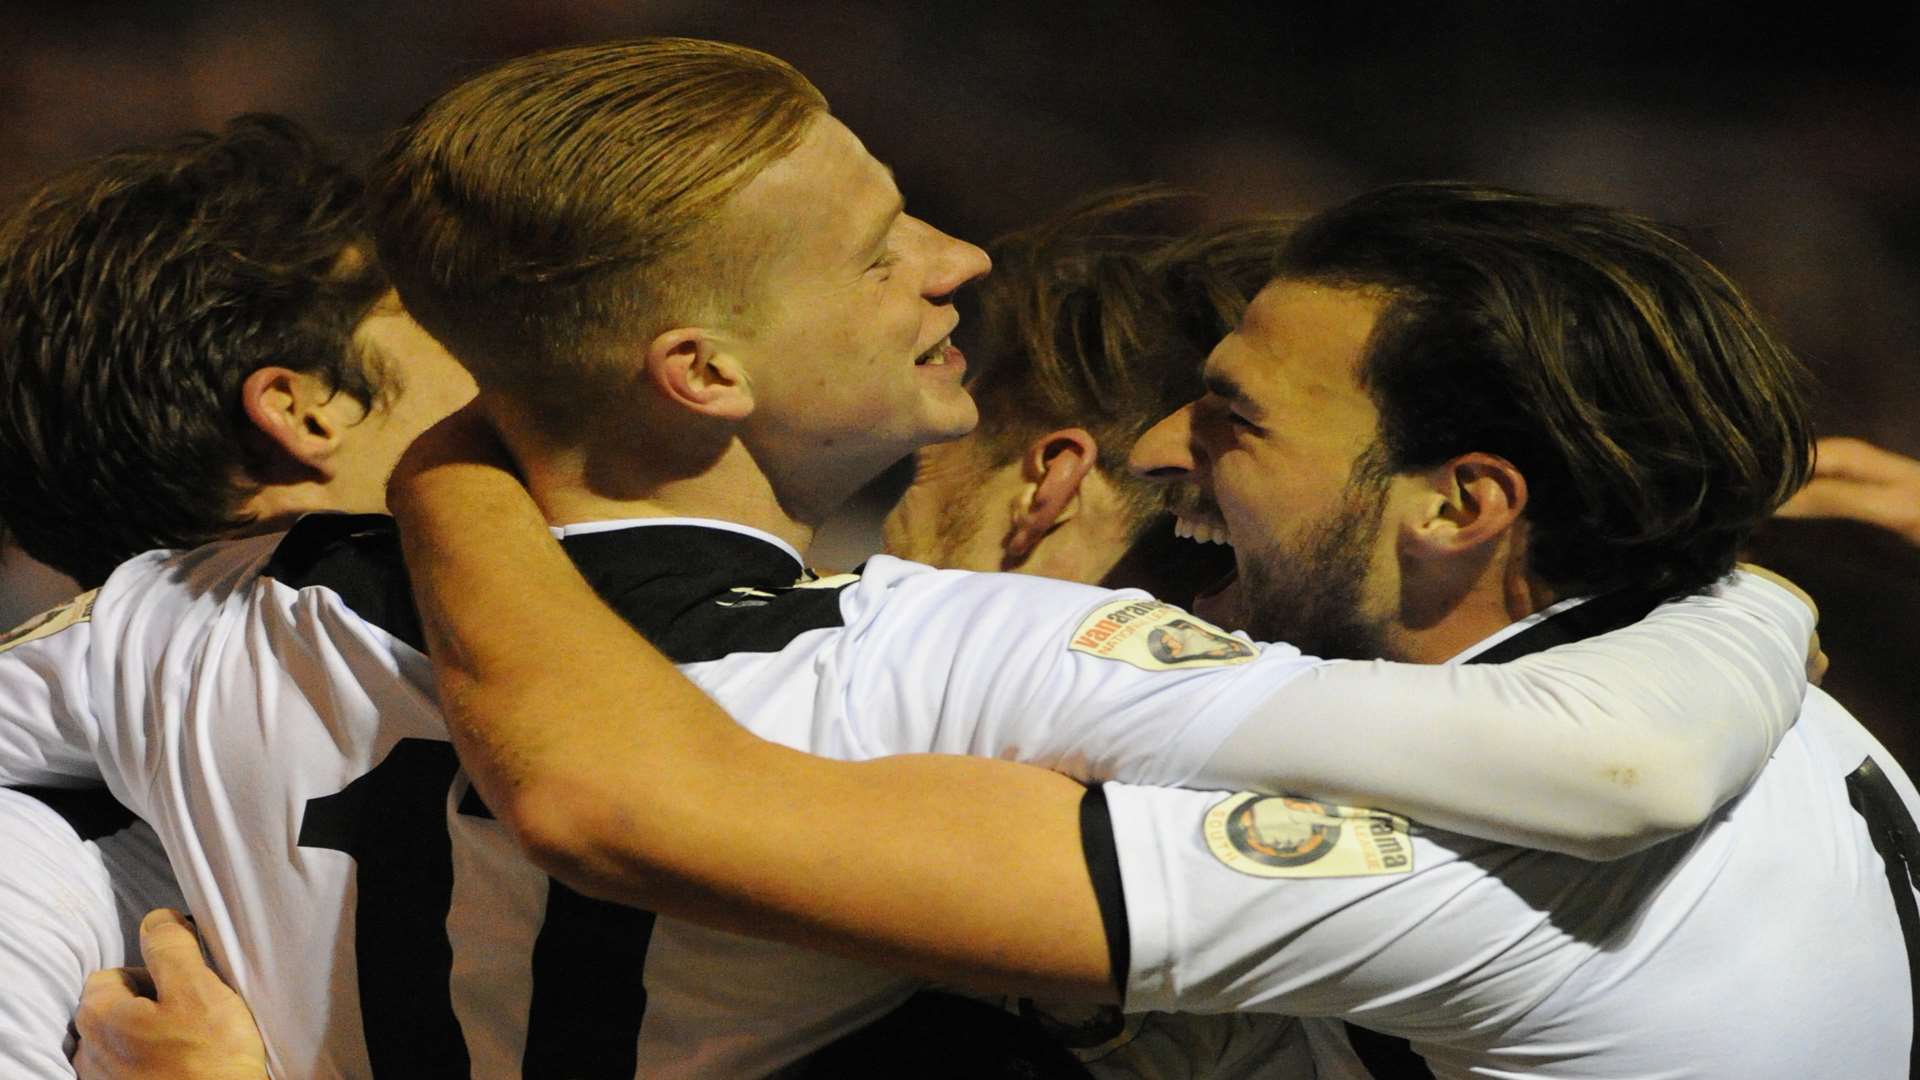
(624, 780)
(1594, 749)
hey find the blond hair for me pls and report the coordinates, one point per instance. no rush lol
(527, 215)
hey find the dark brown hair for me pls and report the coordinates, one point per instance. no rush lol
(1657, 421)
(1095, 319)
(137, 293)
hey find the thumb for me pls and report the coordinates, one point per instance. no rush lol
(172, 953)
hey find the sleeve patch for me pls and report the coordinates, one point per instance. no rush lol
(47, 623)
(1154, 636)
(1277, 836)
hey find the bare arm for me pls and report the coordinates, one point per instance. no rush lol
(910, 861)
(961, 869)
(1858, 480)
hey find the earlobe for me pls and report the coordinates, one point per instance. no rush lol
(692, 369)
(1053, 468)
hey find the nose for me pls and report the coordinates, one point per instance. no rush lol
(954, 263)
(1165, 452)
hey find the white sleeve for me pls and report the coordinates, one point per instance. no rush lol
(1095, 683)
(1243, 902)
(1595, 749)
(58, 923)
(47, 728)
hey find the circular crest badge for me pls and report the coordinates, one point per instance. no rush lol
(1268, 835)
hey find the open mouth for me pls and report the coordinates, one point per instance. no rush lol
(942, 354)
(1214, 569)
(1201, 531)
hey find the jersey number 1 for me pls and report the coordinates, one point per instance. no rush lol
(587, 960)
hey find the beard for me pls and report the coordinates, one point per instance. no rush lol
(1310, 592)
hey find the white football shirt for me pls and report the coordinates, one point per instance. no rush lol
(1765, 944)
(69, 905)
(258, 702)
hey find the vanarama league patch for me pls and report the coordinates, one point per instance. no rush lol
(1156, 637)
(1281, 837)
(72, 613)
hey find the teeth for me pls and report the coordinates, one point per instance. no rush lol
(934, 357)
(1200, 532)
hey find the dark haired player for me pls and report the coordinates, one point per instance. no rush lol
(196, 343)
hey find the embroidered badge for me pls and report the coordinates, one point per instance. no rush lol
(1156, 637)
(1281, 837)
(73, 612)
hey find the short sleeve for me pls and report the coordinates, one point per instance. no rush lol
(1095, 683)
(47, 729)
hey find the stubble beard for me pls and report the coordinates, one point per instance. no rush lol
(1310, 593)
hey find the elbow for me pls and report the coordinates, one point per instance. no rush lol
(573, 836)
(1642, 812)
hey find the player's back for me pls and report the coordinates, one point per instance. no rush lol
(260, 702)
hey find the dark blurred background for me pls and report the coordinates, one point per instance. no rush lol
(1787, 144)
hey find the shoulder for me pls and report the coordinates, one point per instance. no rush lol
(356, 557)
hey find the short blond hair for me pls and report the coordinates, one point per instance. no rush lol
(526, 214)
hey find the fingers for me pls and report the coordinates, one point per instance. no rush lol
(109, 989)
(175, 963)
(1816, 661)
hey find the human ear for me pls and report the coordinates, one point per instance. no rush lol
(690, 368)
(1052, 470)
(300, 418)
(1467, 501)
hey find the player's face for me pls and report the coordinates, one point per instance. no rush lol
(424, 384)
(849, 347)
(1273, 449)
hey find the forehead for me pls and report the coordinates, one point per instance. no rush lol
(1298, 342)
(828, 198)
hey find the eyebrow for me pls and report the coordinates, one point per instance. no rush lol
(1224, 386)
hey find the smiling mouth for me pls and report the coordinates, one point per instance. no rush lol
(938, 356)
(1201, 531)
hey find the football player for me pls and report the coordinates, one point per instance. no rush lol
(230, 356)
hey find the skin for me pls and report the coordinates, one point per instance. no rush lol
(1015, 849)
(1049, 511)
(1859, 481)
(327, 451)
(772, 412)
(172, 1018)
(1274, 445)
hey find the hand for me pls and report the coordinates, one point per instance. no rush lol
(171, 1019)
(1816, 657)
(1859, 481)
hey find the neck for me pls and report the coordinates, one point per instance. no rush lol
(605, 479)
(1440, 619)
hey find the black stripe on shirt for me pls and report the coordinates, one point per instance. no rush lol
(1389, 1057)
